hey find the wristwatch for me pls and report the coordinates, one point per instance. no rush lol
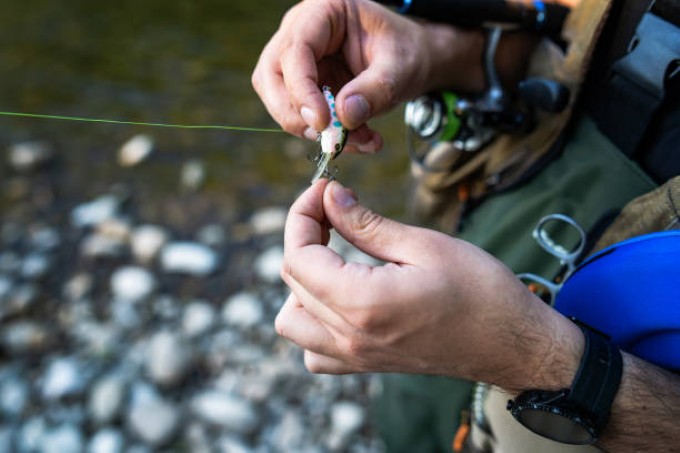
(578, 414)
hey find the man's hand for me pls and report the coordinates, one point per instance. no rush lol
(371, 57)
(438, 306)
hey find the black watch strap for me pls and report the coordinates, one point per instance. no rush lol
(598, 377)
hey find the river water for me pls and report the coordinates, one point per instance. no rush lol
(171, 62)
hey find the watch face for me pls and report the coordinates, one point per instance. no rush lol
(556, 424)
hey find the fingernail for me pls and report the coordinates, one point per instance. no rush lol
(308, 115)
(310, 134)
(342, 196)
(357, 109)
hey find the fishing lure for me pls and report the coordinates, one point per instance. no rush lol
(332, 139)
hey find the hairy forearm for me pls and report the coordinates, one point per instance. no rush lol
(646, 411)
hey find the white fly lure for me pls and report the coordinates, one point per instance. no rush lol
(332, 139)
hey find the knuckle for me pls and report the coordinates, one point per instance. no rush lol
(388, 87)
(368, 222)
(353, 346)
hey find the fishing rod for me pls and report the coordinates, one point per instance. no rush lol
(536, 16)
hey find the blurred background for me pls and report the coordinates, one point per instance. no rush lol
(139, 266)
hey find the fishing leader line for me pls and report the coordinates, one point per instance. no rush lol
(135, 123)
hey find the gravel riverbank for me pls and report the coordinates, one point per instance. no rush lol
(124, 335)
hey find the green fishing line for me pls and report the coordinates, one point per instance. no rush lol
(135, 123)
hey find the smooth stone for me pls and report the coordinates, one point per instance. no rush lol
(269, 220)
(132, 283)
(30, 155)
(135, 150)
(14, 396)
(107, 440)
(146, 241)
(106, 399)
(96, 211)
(192, 175)
(18, 300)
(31, 434)
(115, 228)
(64, 377)
(227, 444)
(78, 287)
(198, 319)
(346, 419)
(62, 439)
(189, 258)
(243, 309)
(212, 235)
(268, 264)
(26, 337)
(97, 245)
(225, 410)
(35, 266)
(97, 339)
(168, 358)
(289, 434)
(44, 239)
(155, 422)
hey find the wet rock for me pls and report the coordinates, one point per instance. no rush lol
(212, 235)
(269, 220)
(289, 434)
(132, 284)
(116, 229)
(31, 434)
(62, 439)
(14, 396)
(268, 264)
(78, 287)
(189, 258)
(154, 421)
(199, 317)
(106, 399)
(135, 150)
(346, 419)
(10, 262)
(64, 377)
(168, 358)
(18, 300)
(225, 410)
(228, 444)
(44, 239)
(147, 241)
(243, 309)
(28, 156)
(25, 337)
(96, 245)
(35, 266)
(192, 175)
(107, 440)
(96, 211)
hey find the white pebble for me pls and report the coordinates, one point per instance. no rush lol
(225, 410)
(147, 241)
(268, 264)
(132, 283)
(97, 245)
(193, 174)
(154, 422)
(106, 399)
(35, 266)
(95, 212)
(198, 318)
(64, 377)
(168, 358)
(243, 310)
(135, 150)
(346, 418)
(190, 258)
(269, 220)
(63, 439)
(107, 440)
(28, 156)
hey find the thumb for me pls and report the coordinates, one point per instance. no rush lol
(380, 237)
(372, 92)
